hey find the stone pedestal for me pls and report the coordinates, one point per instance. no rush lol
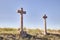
(23, 33)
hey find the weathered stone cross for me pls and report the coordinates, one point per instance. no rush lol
(45, 30)
(21, 12)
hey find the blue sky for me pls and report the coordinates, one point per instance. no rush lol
(35, 9)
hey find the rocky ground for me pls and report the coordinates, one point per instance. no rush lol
(17, 37)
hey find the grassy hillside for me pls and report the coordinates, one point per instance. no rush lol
(36, 32)
(31, 31)
(8, 30)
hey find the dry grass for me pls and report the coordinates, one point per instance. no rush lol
(13, 34)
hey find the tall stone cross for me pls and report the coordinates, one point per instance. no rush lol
(21, 13)
(45, 30)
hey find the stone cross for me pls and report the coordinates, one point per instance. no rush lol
(45, 30)
(21, 13)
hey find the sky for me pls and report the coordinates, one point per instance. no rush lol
(35, 9)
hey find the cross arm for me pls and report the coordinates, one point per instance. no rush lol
(22, 12)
